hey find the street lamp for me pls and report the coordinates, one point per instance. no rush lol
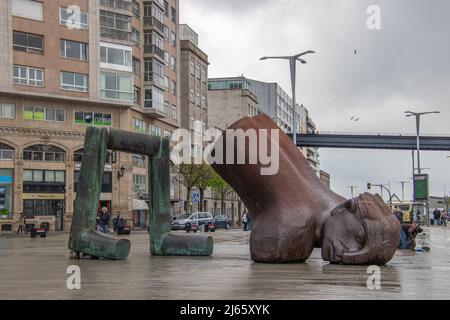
(293, 68)
(418, 115)
(352, 190)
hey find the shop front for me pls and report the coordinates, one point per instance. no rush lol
(140, 214)
(44, 210)
(44, 198)
(6, 197)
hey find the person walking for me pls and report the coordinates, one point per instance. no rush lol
(105, 219)
(22, 224)
(245, 220)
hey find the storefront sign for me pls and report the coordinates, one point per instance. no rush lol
(6, 179)
(43, 196)
(108, 167)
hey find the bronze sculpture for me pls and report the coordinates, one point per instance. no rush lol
(293, 212)
(85, 240)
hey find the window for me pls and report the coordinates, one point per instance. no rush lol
(154, 98)
(173, 63)
(138, 161)
(28, 42)
(28, 9)
(137, 95)
(136, 37)
(73, 19)
(166, 9)
(117, 86)
(6, 152)
(173, 38)
(136, 66)
(136, 9)
(166, 58)
(111, 156)
(154, 71)
(150, 10)
(117, 4)
(28, 76)
(139, 125)
(151, 38)
(74, 50)
(93, 118)
(116, 57)
(173, 112)
(42, 152)
(139, 182)
(173, 87)
(7, 111)
(43, 114)
(115, 26)
(203, 76)
(74, 81)
(155, 130)
(174, 14)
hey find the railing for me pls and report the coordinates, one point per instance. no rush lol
(117, 4)
(151, 48)
(152, 21)
(115, 34)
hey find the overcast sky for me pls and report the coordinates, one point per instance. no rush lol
(405, 65)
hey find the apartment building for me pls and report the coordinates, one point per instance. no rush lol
(236, 97)
(194, 82)
(231, 99)
(69, 64)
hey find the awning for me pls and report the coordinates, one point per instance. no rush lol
(139, 205)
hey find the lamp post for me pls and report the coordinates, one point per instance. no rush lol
(352, 189)
(418, 115)
(293, 72)
(403, 189)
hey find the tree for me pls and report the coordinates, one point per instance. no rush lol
(206, 175)
(222, 189)
(191, 176)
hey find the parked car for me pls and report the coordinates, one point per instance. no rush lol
(188, 219)
(222, 221)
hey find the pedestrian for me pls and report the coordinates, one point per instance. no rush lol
(116, 221)
(398, 214)
(433, 216)
(437, 216)
(245, 220)
(444, 219)
(249, 222)
(105, 219)
(22, 224)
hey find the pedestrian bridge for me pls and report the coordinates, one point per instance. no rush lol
(373, 141)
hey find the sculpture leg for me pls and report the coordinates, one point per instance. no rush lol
(162, 241)
(83, 237)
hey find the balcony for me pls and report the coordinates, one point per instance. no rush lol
(154, 111)
(155, 23)
(116, 4)
(115, 34)
(152, 49)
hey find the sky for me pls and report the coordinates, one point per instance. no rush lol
(403, 66)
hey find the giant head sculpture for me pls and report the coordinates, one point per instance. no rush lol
(293, 211)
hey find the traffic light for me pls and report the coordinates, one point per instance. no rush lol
(369, 186)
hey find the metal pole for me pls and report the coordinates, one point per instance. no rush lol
(418, 143)
(293, 68)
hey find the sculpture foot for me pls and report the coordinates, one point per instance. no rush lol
(185, 245)
(98, 245)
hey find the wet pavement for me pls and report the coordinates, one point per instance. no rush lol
(36, 269)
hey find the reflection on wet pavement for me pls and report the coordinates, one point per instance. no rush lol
(36, 269)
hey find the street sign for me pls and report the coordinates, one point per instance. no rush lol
(195, 196)
(421, 187)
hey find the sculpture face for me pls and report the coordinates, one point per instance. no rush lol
(360, 231)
